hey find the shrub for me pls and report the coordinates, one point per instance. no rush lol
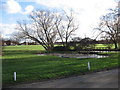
(60, 48)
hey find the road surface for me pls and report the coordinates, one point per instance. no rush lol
(103, 79)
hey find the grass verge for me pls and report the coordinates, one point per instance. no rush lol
(31, 67)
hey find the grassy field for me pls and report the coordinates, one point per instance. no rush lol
(31, 67)
(104, 46)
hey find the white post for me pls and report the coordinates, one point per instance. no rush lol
(88, 65)
(14, 76)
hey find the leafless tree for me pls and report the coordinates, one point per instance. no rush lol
(47, 27)
(110, 26)
(66, 26)
(40, 29)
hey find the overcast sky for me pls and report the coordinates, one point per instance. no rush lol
(88, 12)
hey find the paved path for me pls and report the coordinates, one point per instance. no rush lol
(103, 79)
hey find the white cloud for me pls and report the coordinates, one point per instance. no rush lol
(28, 9)
(88, 11)
(7, 29)
(77, 4)
(13, 6)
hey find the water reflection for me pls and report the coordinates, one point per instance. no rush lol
(100, 56)
(92, 56)
(76, 55)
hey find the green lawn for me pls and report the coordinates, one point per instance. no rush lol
(103, 46)
(24, 48)
(31, 67)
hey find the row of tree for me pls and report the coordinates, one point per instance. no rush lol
(48, 27)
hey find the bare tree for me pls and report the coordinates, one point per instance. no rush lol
(46, 27)
(41, 29)
(110, 26)
(66, 26)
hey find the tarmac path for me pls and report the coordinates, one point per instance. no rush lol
(102, 79)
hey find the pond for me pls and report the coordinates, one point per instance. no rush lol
(75, 55)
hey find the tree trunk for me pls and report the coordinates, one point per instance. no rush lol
(116, 46)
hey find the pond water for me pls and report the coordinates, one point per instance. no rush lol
(76, 55)
(84, 56)
(93, 56)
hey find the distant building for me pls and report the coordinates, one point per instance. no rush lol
(9, 43)
(28, 43)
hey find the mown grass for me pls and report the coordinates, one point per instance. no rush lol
(31, 67)
(104, 46)
(24, 48)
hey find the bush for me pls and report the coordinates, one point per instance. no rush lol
(60, 48)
